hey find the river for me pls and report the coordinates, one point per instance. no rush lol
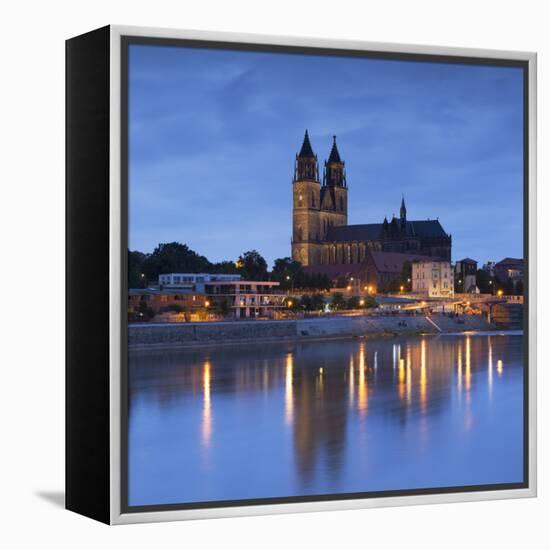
(325, 417)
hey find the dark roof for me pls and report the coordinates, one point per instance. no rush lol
(306, 151)
(392, 262)
(364, 232)
(426, 229)
(510, 261)
(467, 261)
(334, 154)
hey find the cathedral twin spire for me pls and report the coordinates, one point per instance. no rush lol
(307, 168)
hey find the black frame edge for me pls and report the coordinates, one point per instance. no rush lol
(87, 450)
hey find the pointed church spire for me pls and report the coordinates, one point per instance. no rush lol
(334, 173)
(334, 154)
(306, 167)
(403, 213)
(306, 151)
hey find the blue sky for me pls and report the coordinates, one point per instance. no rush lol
(213, 136)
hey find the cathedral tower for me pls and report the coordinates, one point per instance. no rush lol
(306, 192)
(334, 192)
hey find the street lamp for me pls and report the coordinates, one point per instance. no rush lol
(500, 292)
(401, 288)
(207, 303)
(290, 303)
(361, 302)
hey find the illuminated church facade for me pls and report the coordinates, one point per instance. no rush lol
(321, 236)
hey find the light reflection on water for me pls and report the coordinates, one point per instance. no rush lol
(260, 421)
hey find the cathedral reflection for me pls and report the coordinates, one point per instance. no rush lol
(323, 395)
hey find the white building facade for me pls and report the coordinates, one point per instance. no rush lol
(244, 299)
(433, 278)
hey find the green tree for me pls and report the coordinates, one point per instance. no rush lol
(224, 267)
(136, 276)
(144, 311)
(306, 302)
(338, 301)
(317, 302)
(287, 272)
(173, 258)
(483, 281)
(252, 266)
(459, 284)
(370, 302)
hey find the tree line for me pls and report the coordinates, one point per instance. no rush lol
(145, 268)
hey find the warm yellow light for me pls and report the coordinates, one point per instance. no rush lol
(207, 303)
(349, 287)
(500, 292)
(361, 302)
(207, 408)
(290, 303)
(401, 288)
(370, 289)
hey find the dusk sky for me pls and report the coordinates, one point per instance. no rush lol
(214, 133)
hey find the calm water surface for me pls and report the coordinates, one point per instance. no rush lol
(260, 421)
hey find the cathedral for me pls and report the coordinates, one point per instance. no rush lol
(321, 236)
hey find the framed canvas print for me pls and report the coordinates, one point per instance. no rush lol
(300, 274)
